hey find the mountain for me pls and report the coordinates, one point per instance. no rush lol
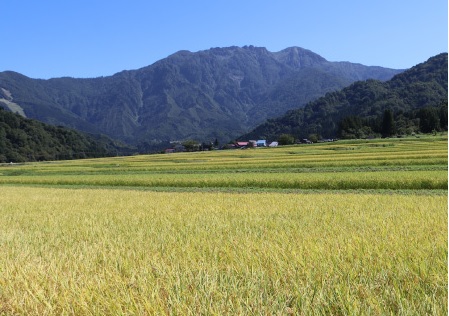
(412, 101)
(24, 139)
(218, 93)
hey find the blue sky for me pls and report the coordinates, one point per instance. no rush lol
(91, 38)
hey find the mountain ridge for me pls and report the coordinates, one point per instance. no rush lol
(218, 93)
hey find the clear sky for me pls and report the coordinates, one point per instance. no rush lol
(91, 38)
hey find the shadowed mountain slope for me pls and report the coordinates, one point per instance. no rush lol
(23, 139)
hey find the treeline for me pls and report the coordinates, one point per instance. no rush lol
(412, 102)
(23, 140)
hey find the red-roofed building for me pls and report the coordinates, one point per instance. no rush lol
(241, 144)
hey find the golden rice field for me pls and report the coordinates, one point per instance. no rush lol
(344, 228)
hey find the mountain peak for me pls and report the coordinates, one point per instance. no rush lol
(298, 57)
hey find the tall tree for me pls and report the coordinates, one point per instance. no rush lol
(429, 119)
(286, 139)
(443, 115)
(388, 126)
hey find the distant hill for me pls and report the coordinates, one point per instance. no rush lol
(24, 139)
(413, 101)
(218, 93)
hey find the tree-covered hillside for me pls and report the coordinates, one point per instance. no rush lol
(413, 101)
(23, 139)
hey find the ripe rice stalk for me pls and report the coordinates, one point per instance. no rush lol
(103, 251)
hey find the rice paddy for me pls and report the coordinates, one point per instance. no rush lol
(344, 228)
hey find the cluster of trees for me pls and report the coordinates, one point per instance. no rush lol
(193, 145)
(23, 140)
(430, 119)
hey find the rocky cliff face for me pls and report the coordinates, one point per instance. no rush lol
(217, 93)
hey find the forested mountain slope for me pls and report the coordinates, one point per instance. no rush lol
(24, 139)
(413, 101)
(218, 93)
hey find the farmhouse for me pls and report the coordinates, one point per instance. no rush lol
(252, 143)
(241, 144)
(261, 143)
